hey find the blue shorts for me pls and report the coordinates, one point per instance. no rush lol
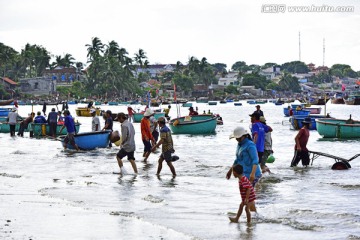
(147, 146)
(256, 180)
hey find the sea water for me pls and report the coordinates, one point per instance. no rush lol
(49, 193)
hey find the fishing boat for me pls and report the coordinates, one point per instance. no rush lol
(223, 101)
(6, 102)
(72, 102)
(229, 100)
(338, 98)
(296, 121)
(199, 124)
(202, 100)
(338, 128)
(260, 101)
(97, 103)
(237, 104)
(90, 140)
(313, 110)
(41, 129)
(4, 112)
(296, 112)
(5, 127)
(251, 101)
(139, 116)
(318, 101)
(85, 112)
(188, 104)
(352, 100)
(212, 103)
(113, 103)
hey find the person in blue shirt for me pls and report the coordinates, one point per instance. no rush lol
(246, 155)
(39, 118)
(52, 121)
(70, 127)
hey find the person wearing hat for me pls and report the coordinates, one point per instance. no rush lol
(192, 112)
(12, 119)
(246, 155)
(52, 121)
(146, 134)
(301, 139)
(167, 147)
(95, 121)
(258, 110)
(267, 148)
(70, 127)
(127, 147)
(108, 123)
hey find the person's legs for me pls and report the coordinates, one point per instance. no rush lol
(131, 158)
(12, 130)
(147, 149)
(161, 159)
(172, 169)
(247, 210)
(296, 159)
(305, 159)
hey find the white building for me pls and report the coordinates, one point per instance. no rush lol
(270, 73)
(230, 79)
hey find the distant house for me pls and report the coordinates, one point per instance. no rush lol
(38, 86)
(9, 85)
(156, 69)
(270, 73)
(200, 90)
(63, 75)
(230, 79)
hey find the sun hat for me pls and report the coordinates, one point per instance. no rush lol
(13, 109)
(262, 119)
(148, 112)
(238, 132)
(306, 120)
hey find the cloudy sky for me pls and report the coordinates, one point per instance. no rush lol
(223, 31)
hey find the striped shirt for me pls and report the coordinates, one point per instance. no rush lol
(244, 184)
(165, 135)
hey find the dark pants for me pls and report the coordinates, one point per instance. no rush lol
(22, 129)
(155, 135)
(52, 128)
(300, 155)
(12, 129)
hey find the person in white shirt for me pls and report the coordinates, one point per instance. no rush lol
(12, 119)
(95, 123)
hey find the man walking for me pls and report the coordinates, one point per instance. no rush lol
(127, 147)
(146, 134)
(70, 127)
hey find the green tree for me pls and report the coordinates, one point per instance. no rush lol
(254, 79)
(295, 67)
(231, 89)
(289, 83)
(184, 82)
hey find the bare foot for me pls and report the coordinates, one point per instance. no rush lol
(233, 220)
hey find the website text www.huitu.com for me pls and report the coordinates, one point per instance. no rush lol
(282, 8)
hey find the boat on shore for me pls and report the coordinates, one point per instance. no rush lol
(90, 140)
(85, 112)
(188, 104)
(199, 124)
(318, 101)
(6, 102)
(237, 104)
(338, 128)
(41, 129)
(139, 116)
(296, 121)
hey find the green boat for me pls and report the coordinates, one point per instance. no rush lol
(139, 116)
(188, 104)
(199, 124)
(97, 103)
(5, 127)
(338, 128)
(38, 129)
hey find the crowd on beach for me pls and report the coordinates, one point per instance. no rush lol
(254, 147)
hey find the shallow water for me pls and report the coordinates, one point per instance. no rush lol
(48, 193)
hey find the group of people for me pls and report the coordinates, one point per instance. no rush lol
(251, 154)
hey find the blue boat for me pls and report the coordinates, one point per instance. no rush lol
(90, 140)
(295, 112)
(251, 101)
(229, 100)
(199, 124)
(71, 102)
(212, 102)
(296, 121)
(4, 112)
(237, 104)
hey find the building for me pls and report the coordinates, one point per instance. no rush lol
(64, 75)
(9, 85)
(230, 79)
(270, 73)
(38, 85)
(154, 70)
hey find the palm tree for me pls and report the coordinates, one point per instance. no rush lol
(94, 48)
(139, 56)
(68, 60)
(27, 59)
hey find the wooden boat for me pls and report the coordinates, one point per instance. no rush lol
(296, 112)
(6, 102)
(313, 110)
(41, 129)
(296, 121)
(85, 112)
(139, 116)
(338, 99)
(338, 128)
(90, 140)
(352, 100)
(199, 124)
(202, 100)
(4, 112)
(212, 103)
(189, 104)
(237, 104)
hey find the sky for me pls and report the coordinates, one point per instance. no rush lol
(168, 31)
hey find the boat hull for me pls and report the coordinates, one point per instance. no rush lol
(4, 112)
(38, 129)
(91, 140)
(338, 128)
(296, 121)
(212, 103)
(313, 110)
(200, 124)
(85, 112)
(237, 104)
(187, 105)
(5, 128)
(139, 116)
(299, 112)
(6, 102)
